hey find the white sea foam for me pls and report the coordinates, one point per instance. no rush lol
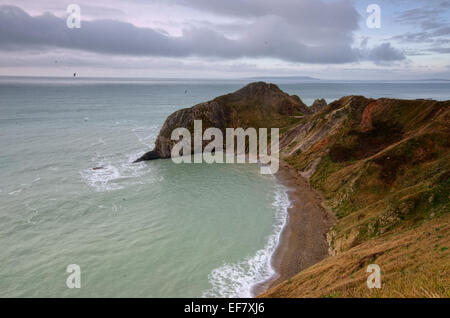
(115, 173)
(24, 186)
(239, 280)
(146, 135)
(15, 192)
(35, 180)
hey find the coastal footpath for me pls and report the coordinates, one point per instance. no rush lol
(369, 182)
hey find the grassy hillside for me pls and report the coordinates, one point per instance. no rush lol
(414, 263)
(383, 167)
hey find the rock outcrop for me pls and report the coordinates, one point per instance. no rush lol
(257, 105)
(318, 105)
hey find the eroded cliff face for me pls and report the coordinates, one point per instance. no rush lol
(257, 105)
(359, 151)
(383, 167)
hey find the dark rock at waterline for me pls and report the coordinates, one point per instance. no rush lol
(151, 155)
(257, 105)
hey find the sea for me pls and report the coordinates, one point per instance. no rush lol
(71, 194)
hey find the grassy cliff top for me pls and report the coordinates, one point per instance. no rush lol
(383, 168)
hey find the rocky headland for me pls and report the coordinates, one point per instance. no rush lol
(257, 105)
(370, 182)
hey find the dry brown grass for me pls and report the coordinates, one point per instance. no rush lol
(414, 263)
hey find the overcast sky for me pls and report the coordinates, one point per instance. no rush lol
(327, 39)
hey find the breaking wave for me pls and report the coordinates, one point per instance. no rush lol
(240, 279)
(114, 172)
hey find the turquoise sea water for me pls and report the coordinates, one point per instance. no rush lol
(152, 229)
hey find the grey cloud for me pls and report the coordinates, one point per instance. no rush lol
(431, 21)
(339, 15)
(384, 52)
(441, 50)
(417, 37)
(428, 15)
(268, 36)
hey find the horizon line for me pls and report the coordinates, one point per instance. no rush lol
(265, 77)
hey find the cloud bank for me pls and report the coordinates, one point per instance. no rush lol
(308, 31)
